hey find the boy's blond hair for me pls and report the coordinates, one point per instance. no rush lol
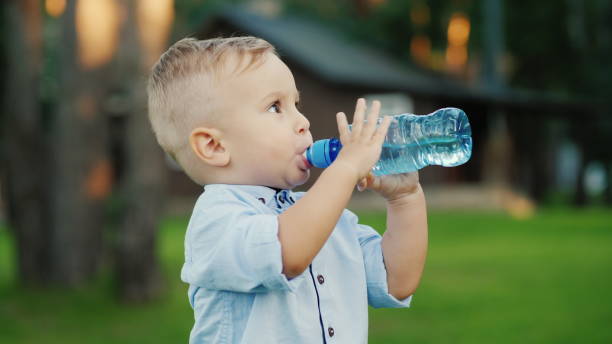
(180, 85)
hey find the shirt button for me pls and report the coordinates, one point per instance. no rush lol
(321, 280)
(330, 331)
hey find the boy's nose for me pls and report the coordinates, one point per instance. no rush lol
(303, 125)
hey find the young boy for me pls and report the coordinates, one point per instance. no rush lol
(265, 264)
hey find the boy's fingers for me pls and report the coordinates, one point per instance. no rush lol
(370, 177)
(381, 132)
(374, 183)
(358, 117)
(342, 125)
(366, 181)
(372, 120)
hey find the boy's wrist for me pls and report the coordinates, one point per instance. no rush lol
(347, 168)
(405, 198)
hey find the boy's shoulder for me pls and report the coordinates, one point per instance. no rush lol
(220, 203)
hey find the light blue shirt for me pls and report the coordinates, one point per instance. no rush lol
(233, 266)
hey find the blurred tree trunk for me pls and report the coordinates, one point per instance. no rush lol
(608, 188)
(580, 194)
(25, 156)
(499, 152)
(142, 187)
(542, 155)
(81, 169)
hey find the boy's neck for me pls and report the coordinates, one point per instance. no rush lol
(275, 189)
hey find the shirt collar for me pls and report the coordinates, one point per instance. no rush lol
(264, 194)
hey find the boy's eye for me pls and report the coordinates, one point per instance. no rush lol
(274, 108)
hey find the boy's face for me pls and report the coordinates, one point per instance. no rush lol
(264, 131)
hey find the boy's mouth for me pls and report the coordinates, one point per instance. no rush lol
(303, 164)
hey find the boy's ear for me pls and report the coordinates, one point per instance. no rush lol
(206, 144)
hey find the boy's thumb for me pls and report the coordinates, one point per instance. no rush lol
(363, 183)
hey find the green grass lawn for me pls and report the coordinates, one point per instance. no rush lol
(488, 279)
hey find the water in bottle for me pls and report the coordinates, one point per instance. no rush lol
(443, 137)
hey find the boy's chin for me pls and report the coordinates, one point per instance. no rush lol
(305, 178)
(288, 182)
(299, 180)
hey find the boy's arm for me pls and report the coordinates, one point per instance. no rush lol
(404, 243)
(304, 228)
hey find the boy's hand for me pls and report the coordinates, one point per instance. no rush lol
(391, 187)
(361, 146)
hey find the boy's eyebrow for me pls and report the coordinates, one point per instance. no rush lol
(280, 94)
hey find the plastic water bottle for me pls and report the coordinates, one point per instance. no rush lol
(443, 137)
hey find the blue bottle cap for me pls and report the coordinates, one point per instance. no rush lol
(323, 152)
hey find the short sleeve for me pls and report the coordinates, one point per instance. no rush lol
(229, 246)
(376, 273)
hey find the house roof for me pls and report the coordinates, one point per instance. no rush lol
(336, 59)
